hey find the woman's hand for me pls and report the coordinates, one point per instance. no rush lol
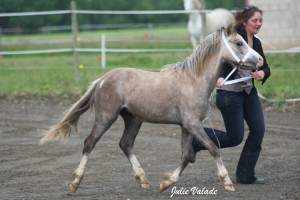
(219, 83)
(258, 75)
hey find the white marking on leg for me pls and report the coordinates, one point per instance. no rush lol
(136, 166)
(221, 168)
(80, 169)
(175, 175)
(223, 175)
(169, 179)
(78, 174)
(139, 173)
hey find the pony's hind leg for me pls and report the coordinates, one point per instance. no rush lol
(171, 177)
(132, 127)
(78, 174)
(100, 127)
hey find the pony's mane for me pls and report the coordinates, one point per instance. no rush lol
(195, 64)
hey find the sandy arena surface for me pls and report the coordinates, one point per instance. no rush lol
(30, 171)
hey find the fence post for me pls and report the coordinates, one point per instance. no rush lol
(103, 51)
(74, 40)
(0, 38)
(203, 16)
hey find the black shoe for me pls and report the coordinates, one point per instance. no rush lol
(259, 180)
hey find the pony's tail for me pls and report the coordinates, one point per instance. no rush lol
(62, 130)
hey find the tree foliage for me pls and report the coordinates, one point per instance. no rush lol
(35, 22)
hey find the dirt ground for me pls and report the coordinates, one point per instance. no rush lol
(30, 171)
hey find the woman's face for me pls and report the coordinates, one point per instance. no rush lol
(254, 24)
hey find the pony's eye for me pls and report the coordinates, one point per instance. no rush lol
(239, 44)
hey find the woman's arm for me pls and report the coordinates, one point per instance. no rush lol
(264, 72)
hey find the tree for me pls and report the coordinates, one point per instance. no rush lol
(33, 23)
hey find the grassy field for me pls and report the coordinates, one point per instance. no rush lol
(51, 76)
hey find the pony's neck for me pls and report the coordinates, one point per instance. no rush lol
(196, 17)
(213, 75)
(211, 64)
(203, 65)
(207, 55)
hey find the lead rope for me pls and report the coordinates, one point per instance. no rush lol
(225, 82)
(208, 117)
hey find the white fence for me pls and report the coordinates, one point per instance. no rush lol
(73, 12)
(106, 12)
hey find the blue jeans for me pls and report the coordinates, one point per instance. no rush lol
(235, 107)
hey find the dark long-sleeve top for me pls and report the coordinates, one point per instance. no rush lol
(258, 48)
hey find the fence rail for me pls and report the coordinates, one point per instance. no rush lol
(102, 50)
(116, 50)
(105, 12)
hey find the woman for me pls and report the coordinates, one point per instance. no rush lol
(240, 101)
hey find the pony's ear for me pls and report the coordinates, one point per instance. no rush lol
(222, 29)
(230, 29)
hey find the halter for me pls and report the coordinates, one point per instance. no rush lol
(240, 61)
(225, 82)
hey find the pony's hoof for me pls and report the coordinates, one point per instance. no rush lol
(73, 188)
(145, 186)
(229, 188)
(164, 185)
(161, 187)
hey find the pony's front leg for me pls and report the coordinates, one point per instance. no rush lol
(223, 175)
(199, 134)
(169, 179)
(172, 177)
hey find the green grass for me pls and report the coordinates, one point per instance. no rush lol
(133, 33)
(44, 76)
(284, 81)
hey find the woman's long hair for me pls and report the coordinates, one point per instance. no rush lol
(244, 16)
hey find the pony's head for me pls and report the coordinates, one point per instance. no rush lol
(237, 51)
(222, 46)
